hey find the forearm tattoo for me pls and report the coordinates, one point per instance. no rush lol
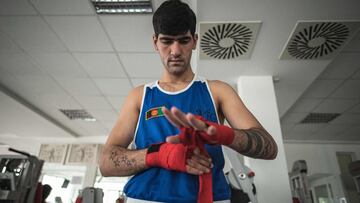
(121, 160)
(256, 143)
(126, 161)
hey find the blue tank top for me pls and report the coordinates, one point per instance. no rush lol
(158, 184)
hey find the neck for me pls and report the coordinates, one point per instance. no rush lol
(170, 78)
(173, 83)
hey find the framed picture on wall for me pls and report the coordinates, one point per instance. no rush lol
(53, 153)
(82, 153)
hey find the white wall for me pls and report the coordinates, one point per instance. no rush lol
(320, 158)
(271, 179)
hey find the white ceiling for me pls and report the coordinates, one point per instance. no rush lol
(61, 55)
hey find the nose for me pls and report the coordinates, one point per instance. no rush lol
(175, 49)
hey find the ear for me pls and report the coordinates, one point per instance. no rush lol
(195, 41)
(155, 39)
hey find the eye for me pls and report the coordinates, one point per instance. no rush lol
(167, 41)
(184, 40)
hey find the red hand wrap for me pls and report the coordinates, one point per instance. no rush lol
(224, 135)
(190, 138)
(167, 155)
(173, 156)
(193, 138)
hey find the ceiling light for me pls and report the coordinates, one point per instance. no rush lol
(122, 6)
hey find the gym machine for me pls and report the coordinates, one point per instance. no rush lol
(241, 179)
(90, 195)
(19, 175)
(299, 182)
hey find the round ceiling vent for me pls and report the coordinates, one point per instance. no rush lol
(318, 40)
(226, 41)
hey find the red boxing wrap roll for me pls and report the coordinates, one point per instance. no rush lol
(193, 138)
(190, 138)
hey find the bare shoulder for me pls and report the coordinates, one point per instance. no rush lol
(135, 95)
(218, 83)
(138, 91)
(219, 88)
(231, 105)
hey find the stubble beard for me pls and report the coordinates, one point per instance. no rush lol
(177, 69)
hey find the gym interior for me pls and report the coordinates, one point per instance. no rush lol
(67, 65)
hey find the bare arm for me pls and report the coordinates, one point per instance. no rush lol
(255, 143)
(120, 161)
(116, 159)
(251, 139)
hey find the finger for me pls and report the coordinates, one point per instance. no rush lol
(171, 117)
(198, 166)
(173, 139)
(193, 171)
(197, 152)
(201, 158)
(211, 130)
(180, 116)
(196, 123)
(200, 125)
(201, 161)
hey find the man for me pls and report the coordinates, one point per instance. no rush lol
(162, 119)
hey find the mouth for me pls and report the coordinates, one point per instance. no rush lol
(176, 61)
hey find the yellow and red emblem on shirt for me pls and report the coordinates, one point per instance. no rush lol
(154, 112)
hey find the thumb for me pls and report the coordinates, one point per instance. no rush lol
(173, 139)
(211, 130)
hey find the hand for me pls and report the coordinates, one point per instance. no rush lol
(178, 157)
(208, 132)
(198, 163)
(180, 119)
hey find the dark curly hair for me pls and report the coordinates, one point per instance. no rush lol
(174, 17)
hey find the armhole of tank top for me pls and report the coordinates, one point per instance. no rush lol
(213, 101)
(139, 117)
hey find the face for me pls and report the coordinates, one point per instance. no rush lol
(175, 51)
